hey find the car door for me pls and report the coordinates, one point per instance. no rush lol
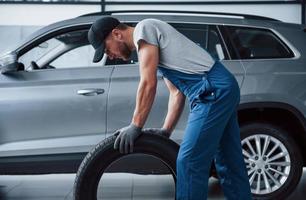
(59, 107)
(122, 98)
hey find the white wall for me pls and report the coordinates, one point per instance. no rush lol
(288, 13)
(33, 14)
(40, 15)
(17, 21)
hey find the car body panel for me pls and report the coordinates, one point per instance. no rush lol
(42, 105)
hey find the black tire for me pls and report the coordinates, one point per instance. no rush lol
(103, 154)
(262, 129)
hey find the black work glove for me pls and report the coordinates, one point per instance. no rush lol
(125, 139)
(158, 131)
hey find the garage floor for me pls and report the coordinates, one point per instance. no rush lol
(116, 186)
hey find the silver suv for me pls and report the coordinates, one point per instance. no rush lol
(56, 104)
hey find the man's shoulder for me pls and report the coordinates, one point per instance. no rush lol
(150, 22)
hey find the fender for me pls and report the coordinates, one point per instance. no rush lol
(280, 105)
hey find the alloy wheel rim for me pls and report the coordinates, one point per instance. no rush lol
(267, 161)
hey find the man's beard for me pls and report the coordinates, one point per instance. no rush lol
(125, 51)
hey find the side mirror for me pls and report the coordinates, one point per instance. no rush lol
(8, 63)
(44, 45)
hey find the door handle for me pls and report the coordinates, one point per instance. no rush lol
(91, 91)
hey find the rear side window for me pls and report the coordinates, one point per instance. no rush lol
(206, 36)
(254, 43)
(197, 34)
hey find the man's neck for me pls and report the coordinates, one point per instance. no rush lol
(128, 36)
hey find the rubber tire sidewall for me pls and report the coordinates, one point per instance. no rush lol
(103, 154)
(293, 150)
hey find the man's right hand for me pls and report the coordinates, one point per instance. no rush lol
(158, 131)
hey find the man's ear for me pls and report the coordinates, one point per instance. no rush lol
(117, 34)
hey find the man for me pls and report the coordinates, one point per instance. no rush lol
(212, 131)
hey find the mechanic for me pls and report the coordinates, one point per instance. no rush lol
(212, 132)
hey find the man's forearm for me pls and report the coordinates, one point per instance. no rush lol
(175, 108)
(144, 100)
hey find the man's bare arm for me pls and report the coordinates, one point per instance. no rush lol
(175, 106)
(148, 56)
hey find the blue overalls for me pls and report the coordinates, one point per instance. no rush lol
(212, 133)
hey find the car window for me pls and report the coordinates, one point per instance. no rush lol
(40, 51)
(255, 43)
(77, 57)
(197, 35)
(68, 50)
(203, 35)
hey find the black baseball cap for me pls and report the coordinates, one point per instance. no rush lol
(98, 32)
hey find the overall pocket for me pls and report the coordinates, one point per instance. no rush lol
(205, 95)
(208, 94)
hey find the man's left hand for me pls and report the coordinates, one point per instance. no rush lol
(125, 139)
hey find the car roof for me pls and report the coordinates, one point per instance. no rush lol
(169, 16)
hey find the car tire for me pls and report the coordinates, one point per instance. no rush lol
(103, 154)
(280, 175)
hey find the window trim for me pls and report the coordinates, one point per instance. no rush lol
(224, 43)
(227, 56)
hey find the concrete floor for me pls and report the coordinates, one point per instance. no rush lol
(131, 187)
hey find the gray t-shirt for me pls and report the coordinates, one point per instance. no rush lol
(176, 51)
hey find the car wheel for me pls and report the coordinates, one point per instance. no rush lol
(273, 160)
(103, 155)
